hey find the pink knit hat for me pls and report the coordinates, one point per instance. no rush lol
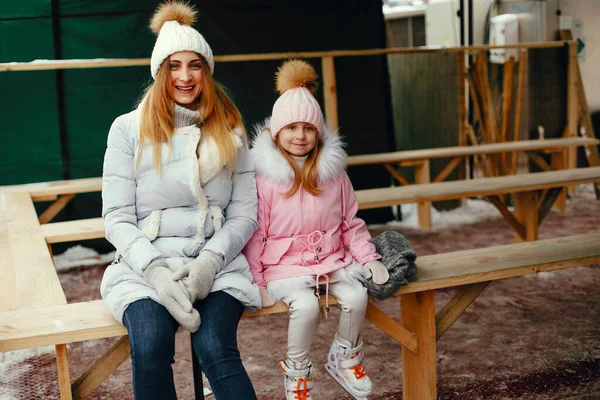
(296, 81)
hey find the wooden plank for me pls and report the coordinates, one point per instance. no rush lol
(499, 262)
(8, 294)
(68, 231)
(463, 298)
(392, 328)
(382, 197)
(419, 370)
(464, 151)
(58, 324)
(64, 377)
(55, 208)
(93, 377)
(36, 280)
(330, 93)
(131, 62)
(44, 190)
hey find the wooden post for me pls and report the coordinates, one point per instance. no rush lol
(572, 117)
(507, 112)
(557, 161)
(526, 211)
(462, 110)
(519, 107)
(419, 370)
(423, 175)
(330, 93)
(64, 378)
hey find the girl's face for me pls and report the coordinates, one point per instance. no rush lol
(298, 138)
(187, 78)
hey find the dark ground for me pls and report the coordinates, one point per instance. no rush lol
(534, 337)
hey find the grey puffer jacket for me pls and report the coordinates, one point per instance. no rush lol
(195, 205)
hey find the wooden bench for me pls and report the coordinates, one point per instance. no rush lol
(530, 207)
(420, 160)
(418, 332)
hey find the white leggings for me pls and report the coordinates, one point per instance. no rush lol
(304, 317)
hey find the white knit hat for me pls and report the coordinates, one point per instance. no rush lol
(296, 81)
(172, 23)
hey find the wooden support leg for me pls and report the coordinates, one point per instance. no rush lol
(419, 370)
(558, 162)
(64, 378)
(89, 381)
(422, 175)
(526, 211)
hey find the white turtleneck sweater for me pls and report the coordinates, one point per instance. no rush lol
(300, 160)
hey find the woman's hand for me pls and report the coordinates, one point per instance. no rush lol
(172, 296)
(197, 276)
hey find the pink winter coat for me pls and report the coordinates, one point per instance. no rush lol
(304, 235)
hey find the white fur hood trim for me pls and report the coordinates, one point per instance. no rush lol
(270, 163)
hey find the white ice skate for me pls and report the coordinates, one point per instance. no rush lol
(344, 363)
(297, 382)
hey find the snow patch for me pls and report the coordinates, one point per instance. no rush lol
(79, 256)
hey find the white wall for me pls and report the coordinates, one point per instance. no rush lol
(588, 12)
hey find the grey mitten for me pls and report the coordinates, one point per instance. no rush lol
(197, 276)
(172, 295)
(399, 258)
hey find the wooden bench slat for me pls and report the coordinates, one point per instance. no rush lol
(77, 322)
(93, 228)
(8, 293)
(82, 229)
(36, 284)
(44, 190)
(374, 198)
(499, 262)
(463, 151)
(65, 323)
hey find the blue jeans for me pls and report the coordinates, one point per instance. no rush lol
(152, 340)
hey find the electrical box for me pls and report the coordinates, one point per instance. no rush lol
(441, 24)
(504, 29)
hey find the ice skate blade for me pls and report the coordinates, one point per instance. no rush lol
(343, 384)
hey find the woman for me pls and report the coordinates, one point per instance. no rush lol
(179, 204)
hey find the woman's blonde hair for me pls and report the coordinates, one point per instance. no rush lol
(308, 176)
(218, 116)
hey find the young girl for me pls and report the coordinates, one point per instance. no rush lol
(307, 219)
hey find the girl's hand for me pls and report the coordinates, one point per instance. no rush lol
(378, 271)
(266, 299)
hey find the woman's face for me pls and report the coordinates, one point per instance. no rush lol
(187, 78)
(298, 138)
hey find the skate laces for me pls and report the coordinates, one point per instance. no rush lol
(304, 392)
(359, 370)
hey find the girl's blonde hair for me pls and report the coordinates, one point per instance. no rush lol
(218, 116)
(308, 176)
